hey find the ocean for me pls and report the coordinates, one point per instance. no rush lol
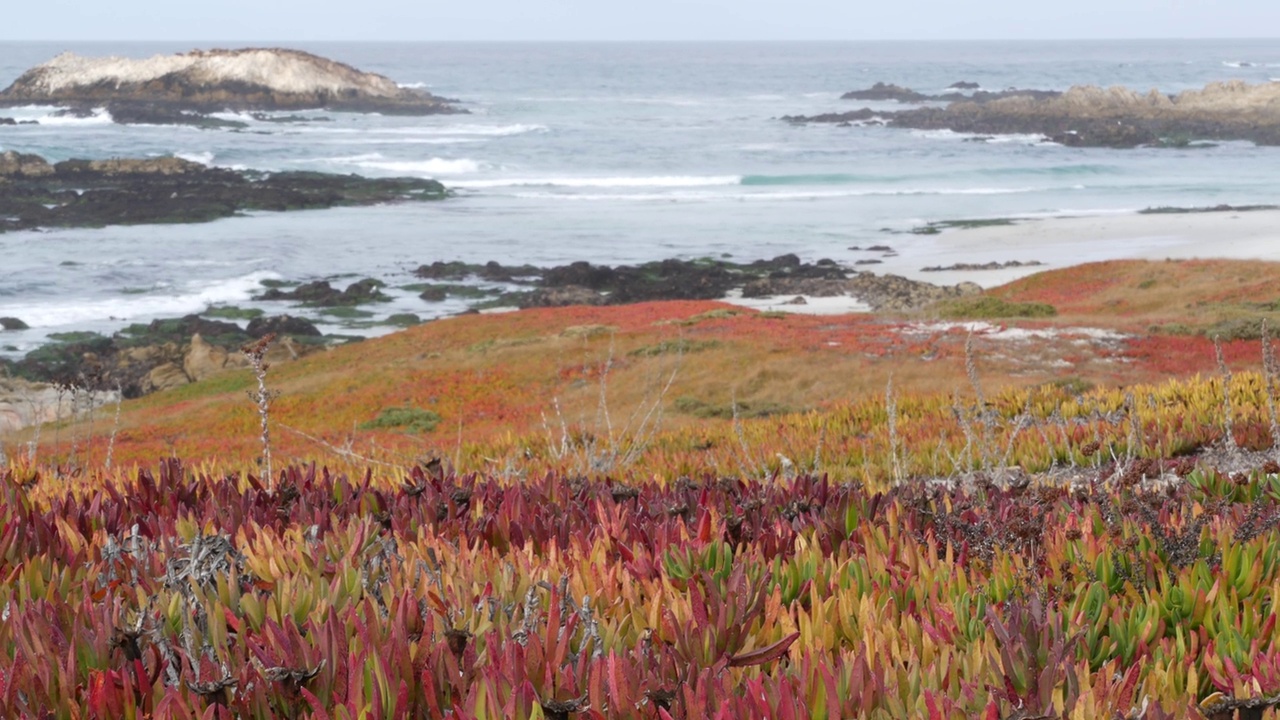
(612, 153)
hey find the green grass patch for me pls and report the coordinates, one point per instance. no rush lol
(415, 420)
(231, 312)
(989, 307)
(668, 347)
(690, 405)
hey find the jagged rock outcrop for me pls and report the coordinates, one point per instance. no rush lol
(205, 81)
(1103, 117)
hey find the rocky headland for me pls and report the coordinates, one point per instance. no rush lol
(35, 193)
(1087, 116)
(187, 87)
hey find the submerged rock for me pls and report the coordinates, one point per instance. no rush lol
(886, 91)
(320, 293)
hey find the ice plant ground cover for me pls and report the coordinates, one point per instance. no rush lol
(677, 510)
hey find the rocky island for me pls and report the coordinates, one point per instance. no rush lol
(187, 87)
(35, 193)
(1087, 116)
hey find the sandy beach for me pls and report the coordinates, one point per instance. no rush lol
(1055, 243)
(1066, 241)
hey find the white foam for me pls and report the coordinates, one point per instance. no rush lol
(756, 196)
(197, 297)
(464, 130)
(49, 116)
(407, 141)
(430, 167)
(1022, 139)
(204, 158)
(414, 85)
(606, 182)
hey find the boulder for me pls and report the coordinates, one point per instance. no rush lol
(321, 293)
(282, 325)
(562, 297)
(963, 85)
(203, 359)
(8, 121)
(16, 164)
(164, 377)
(12, 323)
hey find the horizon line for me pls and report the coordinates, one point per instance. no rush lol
(652, 41)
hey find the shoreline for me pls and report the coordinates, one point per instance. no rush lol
(1065, 241)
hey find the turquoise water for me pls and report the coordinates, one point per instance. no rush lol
(615, 153)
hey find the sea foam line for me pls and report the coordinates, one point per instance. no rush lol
(198, 296)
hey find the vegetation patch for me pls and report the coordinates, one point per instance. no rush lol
(681, 347)
(231, 312)
(690, 405)
(990, 307)
(410, 419)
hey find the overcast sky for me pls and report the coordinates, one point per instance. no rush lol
(299, 20)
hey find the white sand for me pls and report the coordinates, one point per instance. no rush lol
(1062, 242)
(839, 305)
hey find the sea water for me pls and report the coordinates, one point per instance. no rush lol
(612, 153)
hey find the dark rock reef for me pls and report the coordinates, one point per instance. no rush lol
(1090, 116)
(185, 88)
(94, 193)
(582, 283)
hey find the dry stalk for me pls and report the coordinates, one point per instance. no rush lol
(1228, 423)
(1269, 371)
(256, 352)
(1020, 423)
(346, 452)
(1133, 442)
(962, 418)
(115, 427)
(984, 418)
(891, 411)
(747, 462)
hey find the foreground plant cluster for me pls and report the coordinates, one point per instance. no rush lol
(422, 594)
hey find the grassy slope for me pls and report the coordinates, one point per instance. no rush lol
(509, 386)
